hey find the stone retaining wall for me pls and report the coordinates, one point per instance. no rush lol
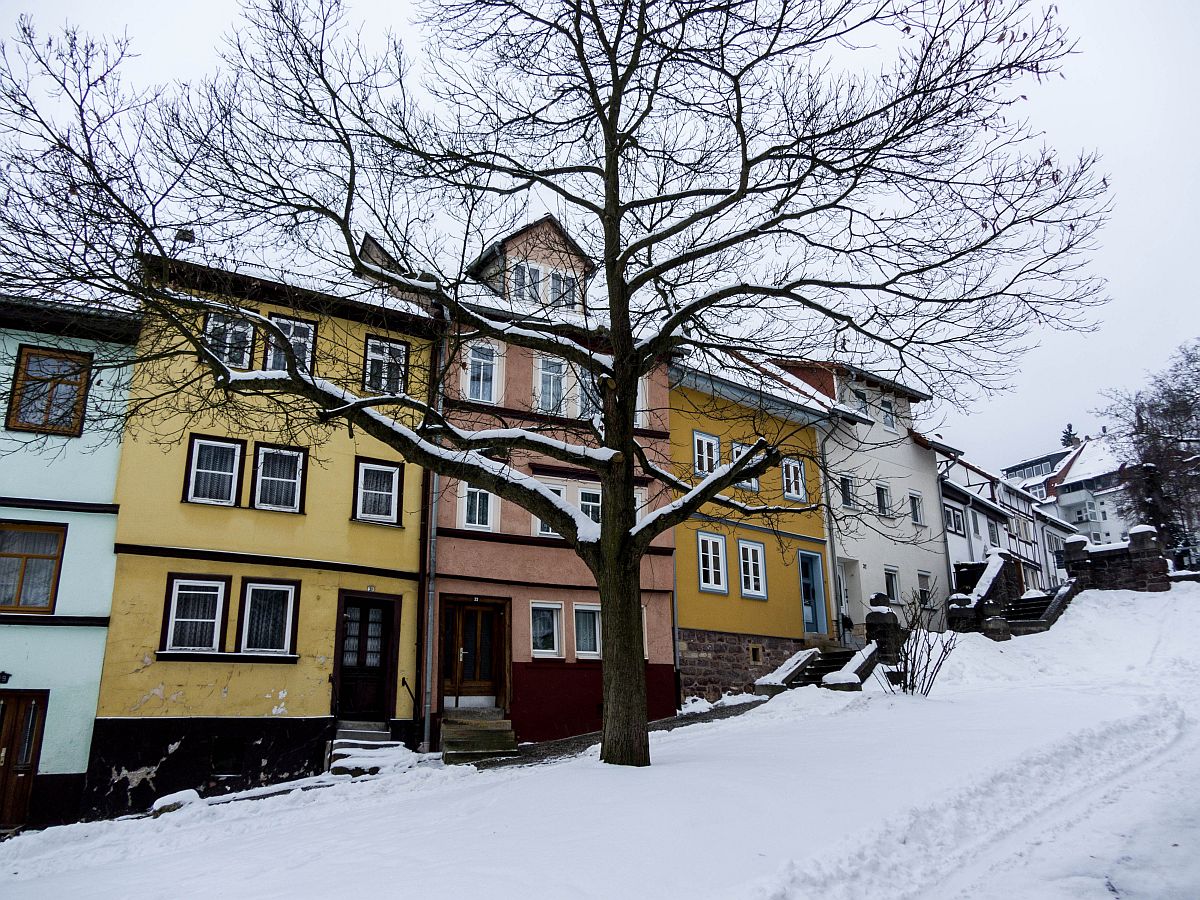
(713, 662)
(1139, 566)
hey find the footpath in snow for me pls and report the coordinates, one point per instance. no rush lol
(1060, 765)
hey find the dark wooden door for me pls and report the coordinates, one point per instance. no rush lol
(22, 718)
(472, 649)
(365, 673)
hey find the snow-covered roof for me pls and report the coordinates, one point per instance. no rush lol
(1093, 459)
(742, 379)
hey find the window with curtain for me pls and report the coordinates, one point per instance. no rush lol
(214, 471)
(268, 618)
(587, 631)
(527, 283)
(552, 373)
(481, 373)
(478, 508)
(706, 452)
(753, 568)
(378, 493)
(278, 478)
(544, 630)
(49, 391)
(195, 614)
(794, 487)
(30, 554)
(564, 291)
(711, 553)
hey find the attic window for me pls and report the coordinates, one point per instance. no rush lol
(527, 283)
(564, 291)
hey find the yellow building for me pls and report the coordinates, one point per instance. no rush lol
(751, 589)
(269, 571)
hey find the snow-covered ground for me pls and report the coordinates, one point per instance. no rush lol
(1063, 765)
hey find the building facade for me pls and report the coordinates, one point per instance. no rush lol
(59, 453)
(515, 626)
(751, 589)
(268, 577)
(883, 494)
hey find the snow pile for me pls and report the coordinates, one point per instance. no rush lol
(389, 759)
(1058, 765)
(694, 705)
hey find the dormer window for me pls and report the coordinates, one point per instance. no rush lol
(527, 283)
(564, 291)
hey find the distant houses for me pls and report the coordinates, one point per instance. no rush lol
(239, 596)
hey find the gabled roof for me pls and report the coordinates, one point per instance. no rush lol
(969, 497)
(845, 369)
(1092, 459)
(496, 249)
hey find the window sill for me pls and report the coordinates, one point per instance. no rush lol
(761, 598)
(547, 656)
(220, 656)
(712, 590)
(795, 499)
(375, 522)
(220, 503)
(275, 509)
(37, 429)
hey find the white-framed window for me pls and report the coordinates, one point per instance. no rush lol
(545, 631)
(891, 583)
(278, 478)
(846, 489)
(230, 339)
(591, 501)
(267, 618)
(925, 588)
(564, 291)
(527, 283)
(483, 373)
(550, 391)
(861, 403)
(384, 366)
(213, 471)
(1038, 490)
(711, 555)
(975, 523)
(640, 498)
(195, 619)
(588, 395)
(300, 335)
(378, 496)
(1096, 537)
(545, 529)
(737, 451)
(795, 487)
(641, 412)
(479, 508)
(753, 568)
(993, 533)
(587, 631)
(916, 508)
(883, 500)
(887, 414)
(954, 520)
(706, 452)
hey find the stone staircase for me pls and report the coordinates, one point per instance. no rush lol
(827, 661)
(357, 741)
(811, 666)
(1030, 606)
(472, 734)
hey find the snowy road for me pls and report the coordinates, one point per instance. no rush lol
(1064, 765)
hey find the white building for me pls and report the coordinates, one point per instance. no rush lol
(886, 531)
(1083, 487)
(982, 510)
(57, 528)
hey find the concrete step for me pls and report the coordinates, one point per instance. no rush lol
(352, 744)
(472, 713)
(480, 742)
(360, 734)
(481, 725)
(456, 757)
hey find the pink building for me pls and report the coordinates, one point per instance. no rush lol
(516, 614)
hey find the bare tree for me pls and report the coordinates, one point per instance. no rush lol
(802, 179)
(924, 645)
(1157, 434)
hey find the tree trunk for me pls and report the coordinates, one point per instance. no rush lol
(625, 741)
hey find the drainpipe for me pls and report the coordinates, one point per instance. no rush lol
(946, 537)
(834, 571)
(435, 494)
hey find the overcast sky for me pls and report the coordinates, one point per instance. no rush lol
(1130, 93)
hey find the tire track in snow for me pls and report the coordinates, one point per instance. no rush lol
(920, 850)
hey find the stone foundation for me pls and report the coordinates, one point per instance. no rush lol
(714, 662)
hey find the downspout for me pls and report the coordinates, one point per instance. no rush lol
(834, 572)
(950, 585)
(435, 494)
